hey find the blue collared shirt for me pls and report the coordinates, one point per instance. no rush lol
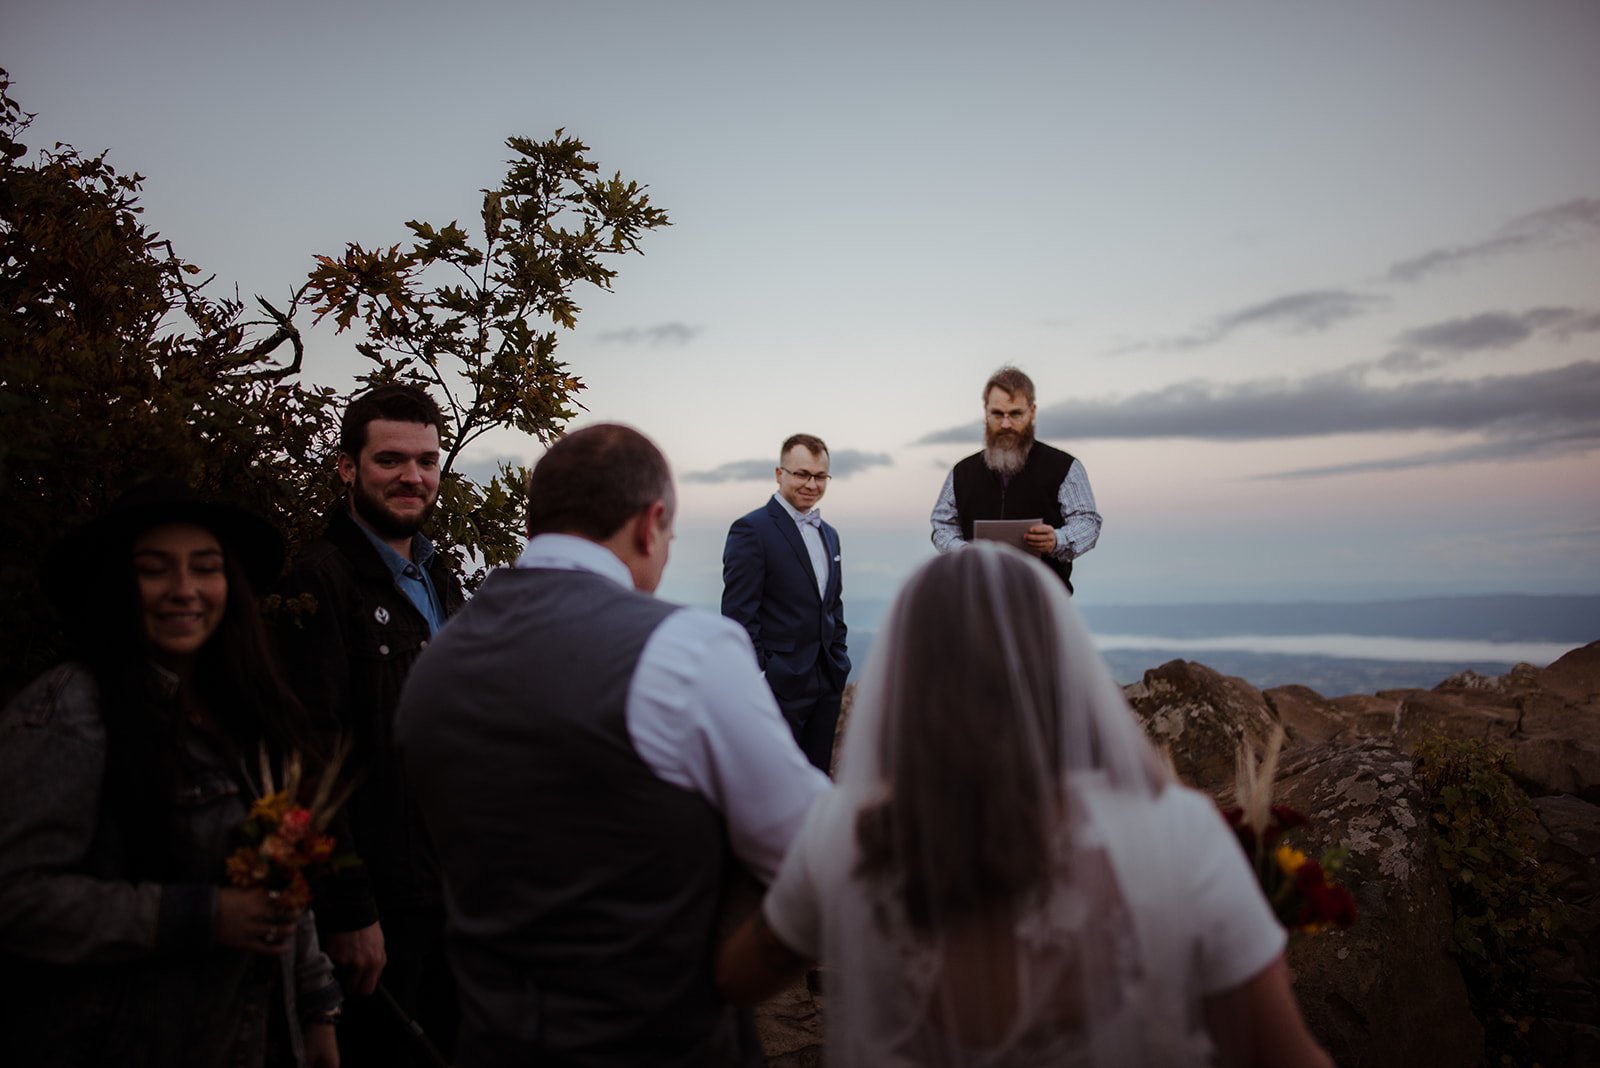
(411, 576)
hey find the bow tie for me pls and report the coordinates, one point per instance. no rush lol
(812, 518)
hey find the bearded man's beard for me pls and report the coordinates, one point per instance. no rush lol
(1005, 451)
(385, 523)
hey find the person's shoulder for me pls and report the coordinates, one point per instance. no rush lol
(758, 524)
(701, 627)
(692, 620)
(758, 516)
(1054, 454)
(1172, 802)
(330, 549)
(1186, 808)
(319, 555)
(967, 465)
(321, 569)
(65, 698)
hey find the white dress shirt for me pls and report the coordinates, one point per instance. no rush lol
(701, 717)
(812, 536)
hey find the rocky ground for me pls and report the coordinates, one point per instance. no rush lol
(1386, 992)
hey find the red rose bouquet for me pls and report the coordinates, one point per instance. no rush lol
(1300, 889)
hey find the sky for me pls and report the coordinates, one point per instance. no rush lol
(1312, 290)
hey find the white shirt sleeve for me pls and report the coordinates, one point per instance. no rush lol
(702, 718)
(1238, 935)
(793, 905)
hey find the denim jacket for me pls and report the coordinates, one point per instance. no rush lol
(99, 968)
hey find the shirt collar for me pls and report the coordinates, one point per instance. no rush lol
(795, 513)
(568, 552)
(421, 551)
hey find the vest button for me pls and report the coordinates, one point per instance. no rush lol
(383, 650)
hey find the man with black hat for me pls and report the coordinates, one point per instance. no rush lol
(381, 591)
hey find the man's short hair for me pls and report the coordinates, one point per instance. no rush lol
(810, 442)
(401, 402)
(594, 480)
(1010, 380)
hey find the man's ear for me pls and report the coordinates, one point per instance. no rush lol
(647, 533)
(347, 468)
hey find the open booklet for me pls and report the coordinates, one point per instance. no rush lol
(1009, 531)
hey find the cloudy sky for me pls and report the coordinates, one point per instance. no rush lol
(1312, 289)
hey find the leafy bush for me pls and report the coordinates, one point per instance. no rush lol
(1502, 898)
(117, 365)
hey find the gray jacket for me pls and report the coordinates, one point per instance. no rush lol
(101, 969)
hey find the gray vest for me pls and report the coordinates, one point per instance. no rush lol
(582, 890)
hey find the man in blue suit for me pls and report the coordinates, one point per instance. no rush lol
(780, 579)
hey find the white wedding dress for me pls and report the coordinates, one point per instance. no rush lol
(1145, 906)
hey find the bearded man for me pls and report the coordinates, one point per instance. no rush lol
(379, 591)
(1016, 477)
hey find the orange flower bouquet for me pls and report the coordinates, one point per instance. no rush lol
(1300, 889)
(282, 845)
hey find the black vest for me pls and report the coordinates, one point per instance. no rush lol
(1035, 491)
(582, 889)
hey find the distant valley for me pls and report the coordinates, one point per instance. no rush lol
(1500, 618)
(1456, 633)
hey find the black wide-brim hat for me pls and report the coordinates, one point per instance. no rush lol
(247, 539)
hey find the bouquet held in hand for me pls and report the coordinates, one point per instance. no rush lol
(282, 844)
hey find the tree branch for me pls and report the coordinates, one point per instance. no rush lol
(286, 331)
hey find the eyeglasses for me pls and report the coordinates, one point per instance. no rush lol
(820, 477)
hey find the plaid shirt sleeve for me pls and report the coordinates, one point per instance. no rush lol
(1082, 527)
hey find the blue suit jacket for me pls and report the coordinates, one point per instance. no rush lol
(768, 585)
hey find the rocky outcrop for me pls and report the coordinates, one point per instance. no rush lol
(1199, 718)
(1567, 1031)
(1386, 991)
(1370, 991)
(789, 1026)
(1549, 719)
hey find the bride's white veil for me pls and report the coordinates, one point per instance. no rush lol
(983, 923)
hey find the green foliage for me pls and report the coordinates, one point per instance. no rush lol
(116, 365)
(459, 314)
(1502, 898)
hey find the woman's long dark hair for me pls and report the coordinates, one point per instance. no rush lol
(978, 839)
(235, 681)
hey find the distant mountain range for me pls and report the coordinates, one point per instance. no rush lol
(1571, 620)
(1331, 676)
(1496, 617)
